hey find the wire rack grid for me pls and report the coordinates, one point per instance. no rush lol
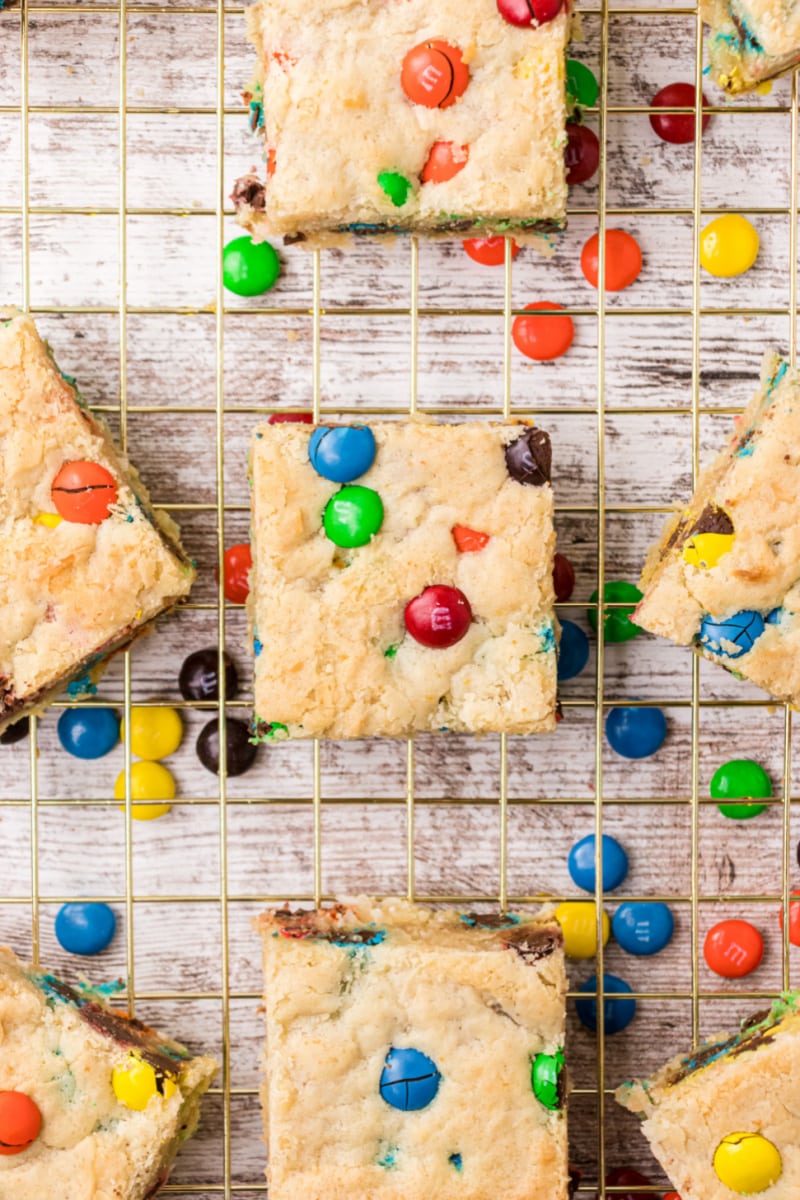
(220, 898)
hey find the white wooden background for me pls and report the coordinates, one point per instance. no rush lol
(171, 62)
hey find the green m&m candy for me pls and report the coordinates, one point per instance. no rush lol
(582, 87)
(740, 779)
(353, 516)
(546, 1079)
(616, 626)
(249, 268)
(396, 187)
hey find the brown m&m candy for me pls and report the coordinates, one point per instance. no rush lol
(444, 161)
(83, 492)
(20, 1122)
(529, 458)
(434, 74)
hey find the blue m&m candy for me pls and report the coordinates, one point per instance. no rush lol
(774, 616)
(573, 651)
(731, 637)
(409, 1080)
(636, 732)
(643, 927)
(619, 1008)
(341, 453)
(85, 927)
(88, 732)
(581, 863)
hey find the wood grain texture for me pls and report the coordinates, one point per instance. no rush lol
(177, 861)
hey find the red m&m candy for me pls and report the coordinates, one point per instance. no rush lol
(490, 251)
(794, 921)
(733, 948)
(20, 1122)
(306, 418)
(544, 337)
(623, 260)
(581, 153)
(445, 160)
(529, 12)
(434, 74)
(236, 568)
(469, 541)
(438, 617)
(677, 128)
(625, 1177)
(83, 492)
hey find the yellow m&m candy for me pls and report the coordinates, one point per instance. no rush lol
(704, 550)
(728, 246)
(155, 732)
(136, 1082)
(149, 781)
(578, 921)
(747, 1163)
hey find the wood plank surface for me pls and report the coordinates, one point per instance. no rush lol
(179, 869)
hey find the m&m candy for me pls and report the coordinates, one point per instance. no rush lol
(83, 493)
(16, 732)
(149, 782)
(303, 418)
(85, 927)
(237, 564)
(396, 186)
(619, 1007)
(677, 128)
(545, 336)
(155, 732)
(547, 1079)
(582, 87)
(434, 74)
(342, 453)
(88, 732)
(581, 153)
(20, 1122)
(643, 927)
(747, 1163)
(409, 1080)
(563, 578)
(581, 863)
(733, 949)
(240, 753)
(469, 541)
(490, 251)
(616, 624)
(578, 921)
(731, 637)
(728, 246)
(794, 921)
(573, 651)
(623, 260)
(438, 617)
(444, 160)
(636, 732)
(135, 1082)
(628, 1177)
(249, 268)
(529, 12)
(740, 779)
(353, 516)
(199, 677)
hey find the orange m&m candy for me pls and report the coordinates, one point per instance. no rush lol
(794, 920)
(543, 337)
(469, 540)
(434, 74)
(20, 1122)
(444, 161)
(733, 948)
(491, 251)
(623, 260)
(83, 492)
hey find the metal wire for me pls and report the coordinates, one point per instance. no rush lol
(413, 312)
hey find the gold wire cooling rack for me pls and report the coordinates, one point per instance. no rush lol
(121, 108)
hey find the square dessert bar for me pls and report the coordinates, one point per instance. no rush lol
(86, 564)
(413, 1054)
(429, 116)
(402, 579)
(751, 40)
(724, 1121)
(726, 572)
(93, 1104)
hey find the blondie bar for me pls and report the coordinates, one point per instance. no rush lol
(726, 572)
(723, 1121)
(93, 1104)
(86, 563)
(751, 40)
(402, 579)
(413, 1053)
(430, 116)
